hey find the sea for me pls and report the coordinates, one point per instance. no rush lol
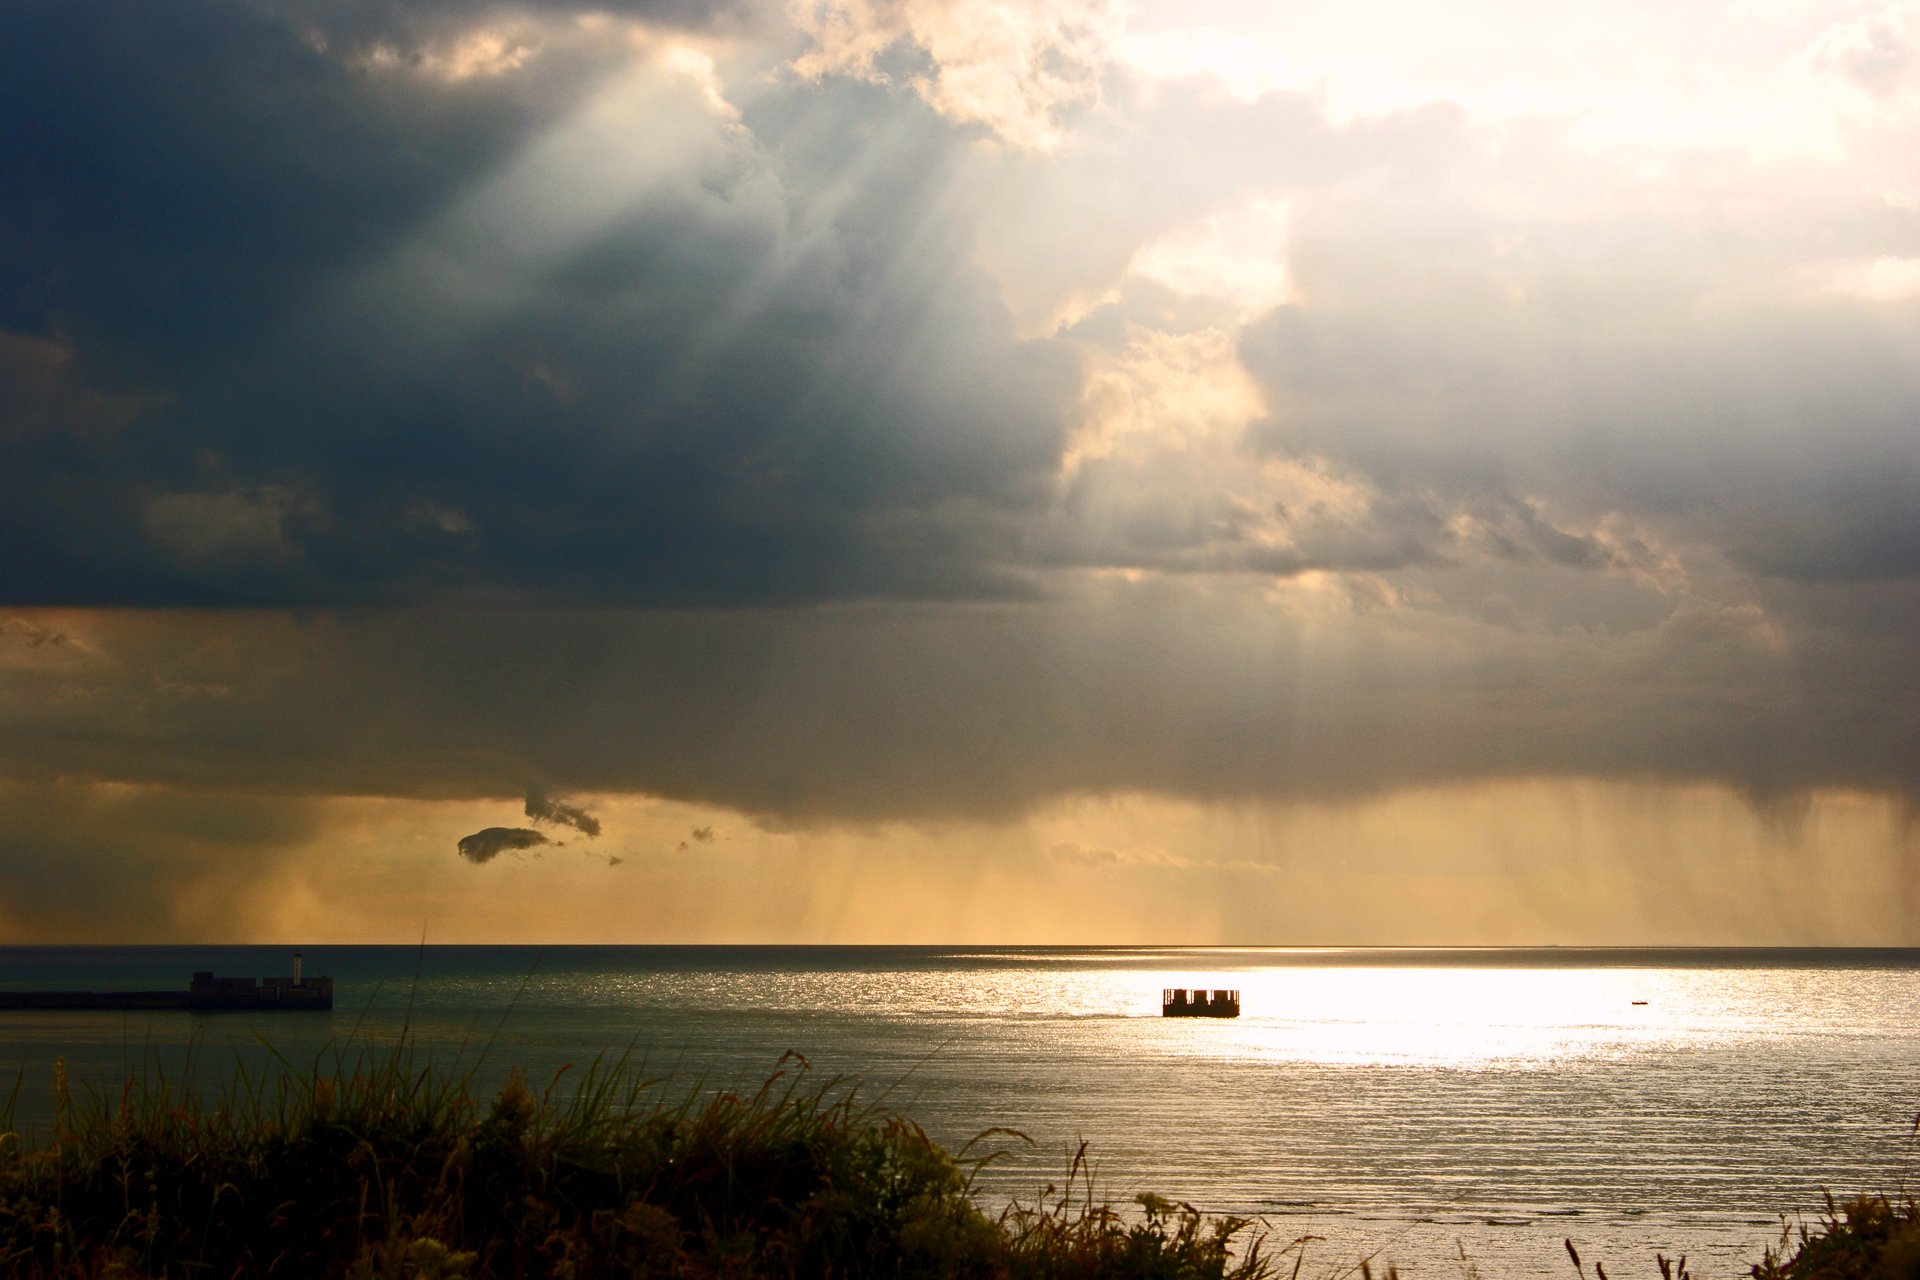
(1458, 1113)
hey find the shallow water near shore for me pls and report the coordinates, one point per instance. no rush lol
(1409, 1105)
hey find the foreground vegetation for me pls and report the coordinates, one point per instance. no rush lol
(1869, 1238)
(387, 1169)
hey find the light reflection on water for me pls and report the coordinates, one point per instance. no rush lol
(1399, 1102)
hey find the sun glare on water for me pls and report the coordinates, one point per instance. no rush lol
(1443, 1017)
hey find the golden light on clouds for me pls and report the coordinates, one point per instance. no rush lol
(1018, 69)
(1238, 255)
(1179, 393)
(1522, 862)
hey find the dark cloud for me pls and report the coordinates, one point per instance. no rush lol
(542, 808)
(412, 27)
(489, 843)
(562, 330)
(862, 713)
(565, 331)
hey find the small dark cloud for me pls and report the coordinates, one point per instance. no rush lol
(1514, 529)
(490, 842)
(542, 808)
(701, 835)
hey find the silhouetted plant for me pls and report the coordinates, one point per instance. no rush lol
(1866, 1238)
(381, 1167)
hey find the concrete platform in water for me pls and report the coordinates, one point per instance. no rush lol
(1182, 1002)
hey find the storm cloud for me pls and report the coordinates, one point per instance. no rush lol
(394, 304)
(575, 331)
(895, 712)
(828, 418)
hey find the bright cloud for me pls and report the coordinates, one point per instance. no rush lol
(1021, 70)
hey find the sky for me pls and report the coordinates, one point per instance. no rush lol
(960, 471)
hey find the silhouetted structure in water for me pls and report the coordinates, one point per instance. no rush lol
(206, 994)
(1181, 1002)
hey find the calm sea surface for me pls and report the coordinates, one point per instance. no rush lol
(1403, 1104)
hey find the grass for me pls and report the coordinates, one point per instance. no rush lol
(382, 1167)
(1866, 1238)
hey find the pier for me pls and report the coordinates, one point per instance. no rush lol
(204, 994)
